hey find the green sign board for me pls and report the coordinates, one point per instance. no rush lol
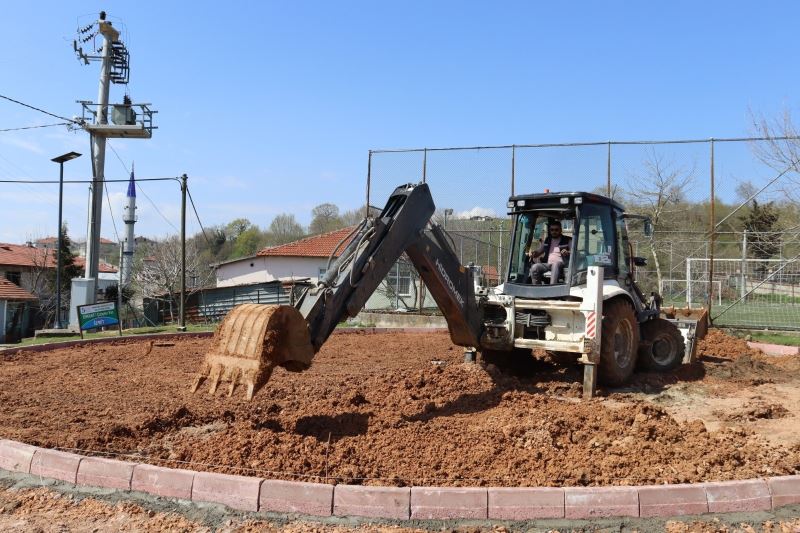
(95, 316)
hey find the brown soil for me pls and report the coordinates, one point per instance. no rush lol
(402, 409)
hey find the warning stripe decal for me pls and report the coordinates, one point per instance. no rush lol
(591, 324)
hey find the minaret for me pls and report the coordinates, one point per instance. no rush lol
(129, 217)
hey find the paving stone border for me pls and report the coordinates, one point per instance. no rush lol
(398, 503)
(403, 503)
(774, 349)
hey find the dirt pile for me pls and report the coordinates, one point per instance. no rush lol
(390, 409)
(731, 360)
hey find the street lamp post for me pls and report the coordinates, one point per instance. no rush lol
(447, 212)
(60, 160)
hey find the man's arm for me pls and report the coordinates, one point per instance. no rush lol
(538, 252)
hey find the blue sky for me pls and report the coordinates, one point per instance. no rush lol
(271, 107)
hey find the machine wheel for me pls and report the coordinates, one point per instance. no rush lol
(662, 346)
(619, 342)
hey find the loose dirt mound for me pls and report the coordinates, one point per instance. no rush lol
(375, 409)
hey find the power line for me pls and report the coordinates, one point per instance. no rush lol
(587, 143)
(121, 162)
(35, 127)
(111, 211)
(141, 190)
(38, 109)
(27, 187)
(196, 215)
(46, 182)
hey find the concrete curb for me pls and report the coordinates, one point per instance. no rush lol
(774, 349)
(403, 503)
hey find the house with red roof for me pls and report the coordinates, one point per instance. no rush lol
(304, 259)
(14, 310)
(307, 260)
(24, 264)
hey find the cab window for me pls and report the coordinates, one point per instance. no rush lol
(623, 249)
(595, 238)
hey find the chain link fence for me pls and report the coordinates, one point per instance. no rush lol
(736, 255)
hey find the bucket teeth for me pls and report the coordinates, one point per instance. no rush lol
(250, 342)
(200, 376)
(234, 376)
(216, 372)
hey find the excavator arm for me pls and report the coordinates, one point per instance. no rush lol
(254, 339)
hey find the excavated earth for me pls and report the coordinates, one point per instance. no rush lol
(401, 409)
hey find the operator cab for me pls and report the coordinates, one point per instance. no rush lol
(592, 233)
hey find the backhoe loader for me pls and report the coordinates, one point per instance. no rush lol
(593, 311)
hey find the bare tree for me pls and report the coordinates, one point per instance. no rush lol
(354, 216)
(781, 150)
(284, 228)
(324, 218)
(158, 272)
(778, 151)
(659, 191)
(39, 282)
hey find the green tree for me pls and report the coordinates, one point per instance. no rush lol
(236, 227)
(248, 242)
(69, 269)
(760, 222)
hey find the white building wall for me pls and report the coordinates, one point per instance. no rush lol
(262, 269)
(270, 268)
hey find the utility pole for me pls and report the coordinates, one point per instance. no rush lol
(182, 326)
(110, 35)
(127, 120)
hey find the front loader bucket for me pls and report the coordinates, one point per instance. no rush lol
(693, 325)
(251, 341)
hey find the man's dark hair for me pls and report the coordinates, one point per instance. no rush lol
(556, 223)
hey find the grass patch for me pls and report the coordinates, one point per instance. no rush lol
(776, 338)
(190, 328)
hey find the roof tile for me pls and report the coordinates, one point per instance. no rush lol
(316, 246)
(21, 255)
(10, 291)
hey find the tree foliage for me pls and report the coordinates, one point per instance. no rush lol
(284, 228)
(660, 192)
(760, 221)
(325, 218)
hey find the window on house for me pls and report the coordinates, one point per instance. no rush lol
(322, 271)
(399, 279)
(14, 277)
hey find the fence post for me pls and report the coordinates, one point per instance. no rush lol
(713, 230)
(513, 167)
(424, 165)
(688, 282)
(743, 279)
(608, 172)
(500, 256)
(369, 180)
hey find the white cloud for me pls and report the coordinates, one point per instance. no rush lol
(477, 212)
(25, 145)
